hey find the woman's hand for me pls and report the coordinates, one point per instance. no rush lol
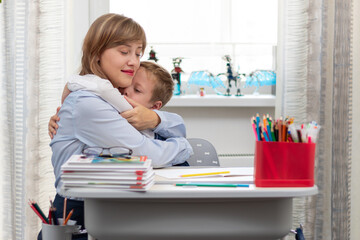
(52, 127)
(141, 117)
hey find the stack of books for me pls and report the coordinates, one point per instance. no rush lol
(133, 173)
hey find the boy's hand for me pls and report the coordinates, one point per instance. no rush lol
(53, 125)
(140, 117)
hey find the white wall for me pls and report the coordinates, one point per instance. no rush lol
(227, 128)
(78, 20)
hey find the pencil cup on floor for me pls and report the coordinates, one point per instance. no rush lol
(59, 232)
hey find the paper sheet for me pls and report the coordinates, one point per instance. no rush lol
(173, 175)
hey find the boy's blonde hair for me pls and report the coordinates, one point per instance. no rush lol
(164, 84)
(108, 31)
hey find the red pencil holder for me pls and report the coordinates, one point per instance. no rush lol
(283, 164)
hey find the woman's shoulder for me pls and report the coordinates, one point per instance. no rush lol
(85, 99)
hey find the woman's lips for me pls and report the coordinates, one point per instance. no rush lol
(128, 72)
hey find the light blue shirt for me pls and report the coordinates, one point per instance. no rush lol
(87, 120)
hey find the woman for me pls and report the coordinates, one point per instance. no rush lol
(112, 50)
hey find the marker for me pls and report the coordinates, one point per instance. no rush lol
(204, 174)
(211, 185)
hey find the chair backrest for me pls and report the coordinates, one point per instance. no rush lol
(204, 153)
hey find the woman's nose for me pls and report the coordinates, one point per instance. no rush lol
(134, 60)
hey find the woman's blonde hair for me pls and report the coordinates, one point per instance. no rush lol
(108, 31)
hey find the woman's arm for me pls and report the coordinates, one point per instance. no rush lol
(96, 123)
(65, 93)
(53, 126)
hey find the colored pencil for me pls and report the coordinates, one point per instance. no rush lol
(68, 216)
(204, 174)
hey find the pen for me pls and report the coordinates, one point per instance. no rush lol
(204, 174)
(54, 218)
(211, 185)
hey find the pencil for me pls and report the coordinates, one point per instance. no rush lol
(272, 131)
(68, 216)
(211, 185)
(40, 211)
(257, 126)
(269, 132)
(265, 133)
(254, 128)
(37, 213)
(64, 210)
(280, 130)
(204, 174)
(49, 217)
(283, 131)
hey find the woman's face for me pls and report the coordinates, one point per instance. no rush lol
(120, 63)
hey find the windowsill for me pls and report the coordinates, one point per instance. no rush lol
(213, 100)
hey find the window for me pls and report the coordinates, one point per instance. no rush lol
(203, 31)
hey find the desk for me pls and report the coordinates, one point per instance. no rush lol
(166, 212)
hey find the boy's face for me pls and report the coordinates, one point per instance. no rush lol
(141, 89)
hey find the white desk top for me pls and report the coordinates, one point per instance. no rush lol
(171, 191)
(166, 190)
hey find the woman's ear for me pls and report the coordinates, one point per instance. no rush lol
(157, 105)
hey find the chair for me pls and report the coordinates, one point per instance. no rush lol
(204, 153)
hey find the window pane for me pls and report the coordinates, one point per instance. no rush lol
(254, 21)
(203, 31)
(174, 21)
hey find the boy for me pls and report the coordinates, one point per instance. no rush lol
(152, 87)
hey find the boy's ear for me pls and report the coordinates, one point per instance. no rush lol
(157, 105)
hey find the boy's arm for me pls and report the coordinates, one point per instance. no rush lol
(171, 125)
(164, 124)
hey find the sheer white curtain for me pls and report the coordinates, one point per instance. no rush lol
(32, 72)
(315, 69)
